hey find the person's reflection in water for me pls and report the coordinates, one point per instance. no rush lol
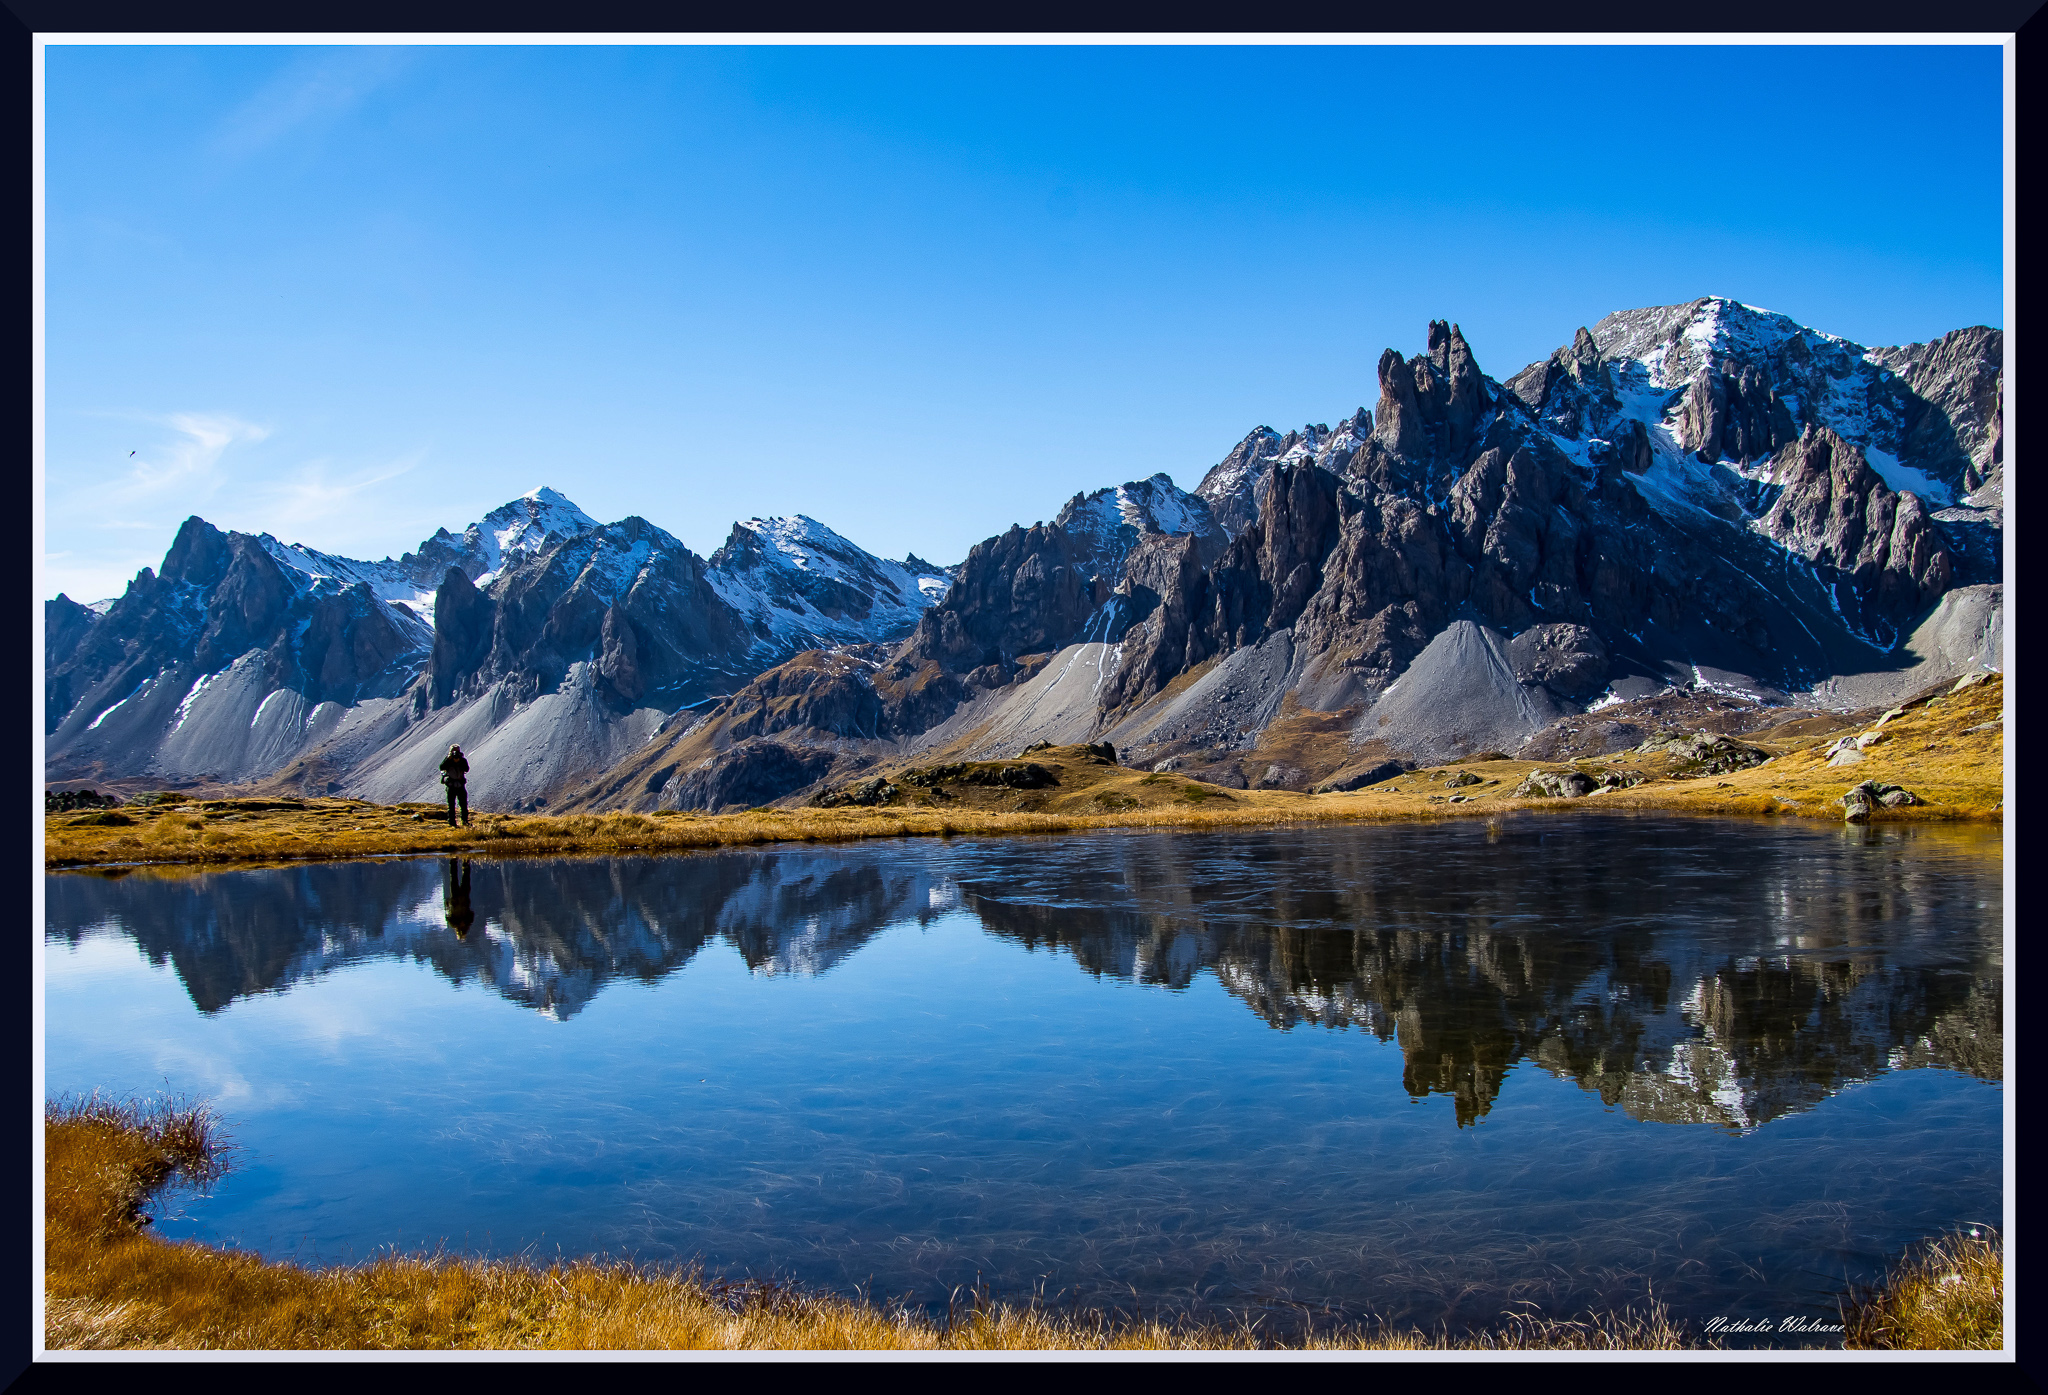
(455, 898)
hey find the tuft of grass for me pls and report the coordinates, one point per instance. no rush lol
(109, 1158)
(1948, 1297)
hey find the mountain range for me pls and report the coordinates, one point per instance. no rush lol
(1707, 497)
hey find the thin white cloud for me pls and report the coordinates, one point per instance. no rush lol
(316, 497)
(189, 464)
(307, 95)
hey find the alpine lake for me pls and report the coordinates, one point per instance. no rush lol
(1425, 1073)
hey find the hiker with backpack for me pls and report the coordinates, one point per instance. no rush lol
(455, 775)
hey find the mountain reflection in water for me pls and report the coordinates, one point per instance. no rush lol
(1685, 971)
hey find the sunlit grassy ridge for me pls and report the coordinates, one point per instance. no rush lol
(110, 1284)
(1949, 752)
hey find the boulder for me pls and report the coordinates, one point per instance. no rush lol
(866, 793)
(1704, 753)
(1463, 777)
(1555, 784)
(1844, 752)
(1863, 799)
(1359, 779)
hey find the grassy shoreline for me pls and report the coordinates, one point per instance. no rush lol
(1949, 752)
(112, 1285)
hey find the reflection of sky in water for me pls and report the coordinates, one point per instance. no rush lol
(1367, 1068)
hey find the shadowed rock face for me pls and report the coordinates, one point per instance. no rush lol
(66, 623)
(1953, 426)
(627, 597)
(463, 621)
(1431, 408)
(222, 597)
(751, 773)
(1022, 592)
(1883, 558)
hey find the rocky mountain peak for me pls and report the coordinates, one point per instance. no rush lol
(532, 523)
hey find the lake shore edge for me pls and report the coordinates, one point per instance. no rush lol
(280, 843)
(110, 1285)
(1939, 760)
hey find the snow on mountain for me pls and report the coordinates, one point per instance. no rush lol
(524, 527)
(800, 585)
(530, 524)
(1234, 490)
(1109, 522)
(1680, 369)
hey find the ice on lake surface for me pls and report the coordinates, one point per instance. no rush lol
(1423, 1072)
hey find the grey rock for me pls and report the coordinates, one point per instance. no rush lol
(1359, 779)
(864, 793)
(1555, 784)
(1705, 753)
(1861, 800)
(1568, 659)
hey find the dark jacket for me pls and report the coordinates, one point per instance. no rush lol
(454, 770)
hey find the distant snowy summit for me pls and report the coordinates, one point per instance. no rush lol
(247, 653)
(524, 527)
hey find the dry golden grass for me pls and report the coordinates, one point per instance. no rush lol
(1951, 1297)
(1930, 750)
(109, 1284)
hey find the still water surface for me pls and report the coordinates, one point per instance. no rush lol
(1423, 1072)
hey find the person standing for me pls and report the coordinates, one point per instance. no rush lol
(455, 775)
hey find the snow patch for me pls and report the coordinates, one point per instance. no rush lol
(1905, 479)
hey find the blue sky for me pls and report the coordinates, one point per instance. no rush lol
(349, 295)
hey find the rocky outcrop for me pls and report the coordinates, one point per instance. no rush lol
(1952, 426)
(1569, 392)
(1570, 660)
(1732, 411)
(220, 598)
(618, 661)
(1026, 591)
(820, 691)
(66, 624)
(1555, 784)
(1703, 753)
(1876, 549)
(627, 598)
(1235, 488)
(754, 772)
(1432, 408)
(464, 620)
